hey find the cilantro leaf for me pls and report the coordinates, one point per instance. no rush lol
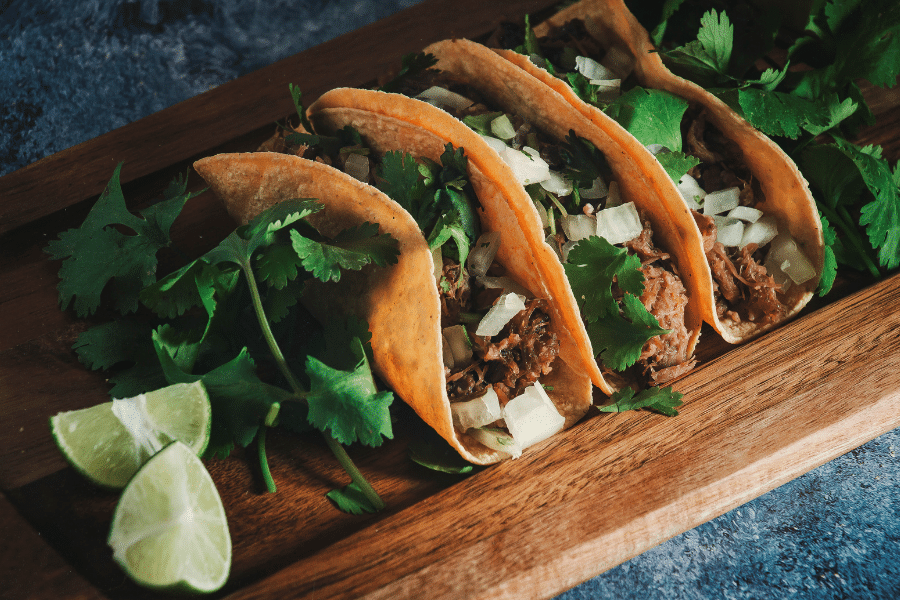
(707, 58)
(662, 400)
(618, 339)
(351, 499)
(592, 266)
(881, 217)
(352, 248)
(297, 97)
(412, 64)
(400, 180)
(346, 404)
(677, 164)
(481, 123)
(652, 116)
(829, 268)
(97, 254)
(584, 161)
(345, 137)
(780, 114)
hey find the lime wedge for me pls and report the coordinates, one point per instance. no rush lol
(169, 529)
(109, 442)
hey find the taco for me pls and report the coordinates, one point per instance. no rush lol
(489, 419)
(762, 250)
(649, 335)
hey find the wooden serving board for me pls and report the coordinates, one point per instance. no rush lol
(612, 487)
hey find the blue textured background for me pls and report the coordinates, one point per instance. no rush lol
(70, 71)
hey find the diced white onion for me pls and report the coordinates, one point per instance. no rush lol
(357, 166)
(504, 309)
(792, 260)
(482, 254)
(613, 195)
(745, 213)
(498, 145)
(443, 97)
(507, 284)
(596, 191)
(532, 417)
(761, 232)
(557, 184)
(691, 191)
(526, 169)
(578, 227)
(458, 341)
(437, 259)
(591, 69)
(729, 231)
(607, 85)
(497, 440)
(715, 203)
(619, 223)
(447, 352)
(502, 128)
(542, 213)
(479, 412)
(773, 268)
(655, 149)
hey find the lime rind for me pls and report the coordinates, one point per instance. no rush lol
(169, 529)
(109, 442)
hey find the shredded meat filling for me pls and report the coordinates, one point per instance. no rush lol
(510, 361)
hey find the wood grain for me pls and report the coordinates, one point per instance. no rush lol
(614, 486)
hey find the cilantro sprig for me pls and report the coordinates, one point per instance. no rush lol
(812, 112)
(208, 321)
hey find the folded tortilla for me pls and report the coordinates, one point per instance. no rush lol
(787, 195)
(516, 91)
(400, 302)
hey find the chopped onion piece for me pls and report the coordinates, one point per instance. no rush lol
(613, 195)
(526, 169)
(460, 346)
(532, 417)
(579, 227)
(357, 166)
(447, 352)
(607, 85)
(443, 97)
(655, 149)
(557, 184)
(479, 412)
(542, 214)
(729, 231)
(502, 128)
(619, 224)
(785, 252)
(715, 203)
(498, 145)
(497, 440)
(761, 232)
(507, 284)
(504, 309)
(437, 258)
(773, 268)
(482, 254)
(745, 213)
(596, 191)
(591, 69)
(691, 191)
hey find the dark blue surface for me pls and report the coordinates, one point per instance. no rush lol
(70, 71)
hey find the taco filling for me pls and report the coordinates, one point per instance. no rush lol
(497, 337)
(753, 263)
(578, 200)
